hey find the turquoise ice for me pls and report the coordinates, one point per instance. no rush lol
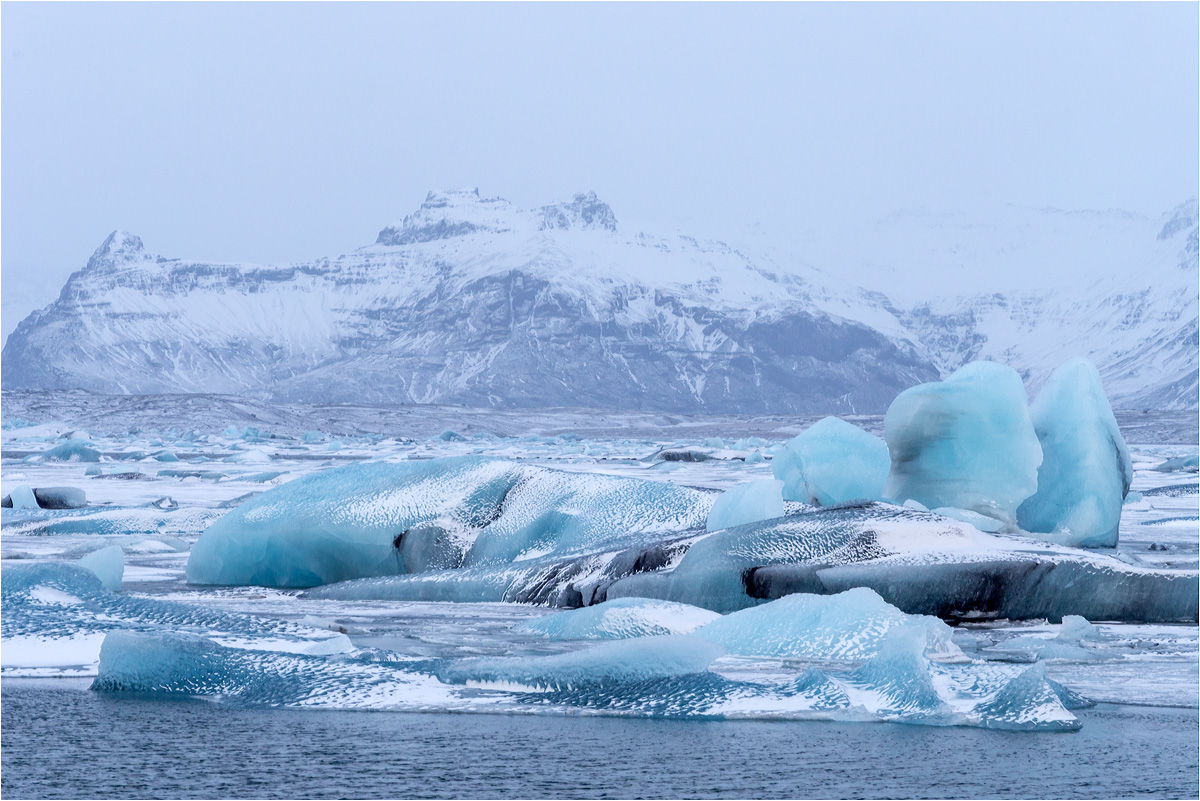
(831, 462)
(1086, 470)
(747, 503)
(966, 442)
(618, 619)
(108, 564)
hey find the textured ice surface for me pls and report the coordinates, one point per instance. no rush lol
(662, 676)
(1085, 471)
(966, 442)
(366, 520)
(918, 561)
(846, 626)
(618, 619)
(832, 462)
(747, 503)
(72, 451)
(60, 497)
(54, 614)
(108, 564)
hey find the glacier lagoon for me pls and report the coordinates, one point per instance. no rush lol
(365, 644)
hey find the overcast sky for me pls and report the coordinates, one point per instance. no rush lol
(280, 132)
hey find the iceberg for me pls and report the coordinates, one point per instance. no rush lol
(966, 442)
(72, 451)
(108, 564)
(56, 613)
(1086, 470)
(850, 625)
(22, 497)
(618, 619)
(747, 503)
(832, 462)
(362, 520)
(60, 497)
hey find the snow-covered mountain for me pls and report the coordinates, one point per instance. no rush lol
(471, 300)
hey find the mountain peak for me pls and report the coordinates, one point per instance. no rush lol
(1184, 216)
(119, 246)
(584, 211)
(452, 213)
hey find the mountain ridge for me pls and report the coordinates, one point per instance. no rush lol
(471, 300)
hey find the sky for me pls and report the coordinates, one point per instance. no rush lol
(280, 132)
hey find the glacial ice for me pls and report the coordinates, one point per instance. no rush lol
(660, 676)
(60, 497)
(832, 462)
(1086, 470)
(748, 502)
(54, 608)
(108, 564)
(21, 497)
(847, 626)
(363, 520)
(73, 450)
(1180, 464)
(618, 619)
(966, 442)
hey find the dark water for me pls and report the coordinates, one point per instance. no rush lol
(63, 742)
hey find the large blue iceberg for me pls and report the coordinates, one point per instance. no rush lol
(380, 519)
(966, 442)
(1086, 470)
(832, 462)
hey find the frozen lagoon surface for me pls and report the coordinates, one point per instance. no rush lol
(1139, 740)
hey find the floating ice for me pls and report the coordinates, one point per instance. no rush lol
(747, 503)
(832, 462)
(60, 497)
(56, 612)
(966, 442)
(619, 619)
(108, 564)
(72, 451)
(365, 519)
(1086, 471)
(21, 497)
(847, 626)
(917, 561)
(1180, 464)
(633, 660)
(981, 522)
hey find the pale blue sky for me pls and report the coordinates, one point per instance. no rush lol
(270, 132)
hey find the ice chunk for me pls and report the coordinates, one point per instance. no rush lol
(60, 497)
(72, 451)
(1086, 470)
(56, 611)
(166, 456)
(966, 442)
(361, 520)
(1029, 702)
(747, 503)
(1180, 464)
(619, 619)
(93, 470)
(108, 564)
(832, 462)
(848, 626)
(21, 497)
(633, 660)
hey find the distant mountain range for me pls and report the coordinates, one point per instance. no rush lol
(470, 300)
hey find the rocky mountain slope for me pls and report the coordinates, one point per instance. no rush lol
(470, 300)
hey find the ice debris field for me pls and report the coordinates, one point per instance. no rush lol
(971, 559)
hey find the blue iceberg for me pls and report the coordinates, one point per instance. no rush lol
(747, 503)
(832, 462)
(966, 442)
(1086, 470)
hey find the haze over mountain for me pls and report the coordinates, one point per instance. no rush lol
(471, 300)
